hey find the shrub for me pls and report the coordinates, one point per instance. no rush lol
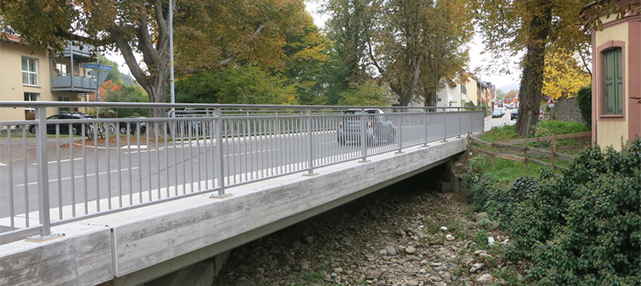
(583, 227)
(584, 101)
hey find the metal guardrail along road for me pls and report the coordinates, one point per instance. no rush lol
(74, 172)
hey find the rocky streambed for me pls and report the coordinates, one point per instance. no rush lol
(405, 234)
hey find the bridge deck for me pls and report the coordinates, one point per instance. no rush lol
(139, 245)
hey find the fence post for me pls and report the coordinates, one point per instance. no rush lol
(43, 176)
(310, 144)
(525, 156)
(218, 114)
(444, 126)
(400, 132)
(554, 143)
(426, 127)
(459, 123)
(469, 152)
(363, 137)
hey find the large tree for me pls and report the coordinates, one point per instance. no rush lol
(130, 26)
(531, 27)
(208, 33)
(411, 44)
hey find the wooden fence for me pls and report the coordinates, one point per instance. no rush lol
(525, 149)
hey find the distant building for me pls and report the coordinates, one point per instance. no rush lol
(42, 75)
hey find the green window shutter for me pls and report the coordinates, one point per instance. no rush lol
(618, 81)
(613, 85)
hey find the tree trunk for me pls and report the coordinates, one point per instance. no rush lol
(533, 67)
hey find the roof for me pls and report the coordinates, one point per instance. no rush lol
(13, 39)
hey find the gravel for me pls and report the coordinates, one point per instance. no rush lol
(404, 235)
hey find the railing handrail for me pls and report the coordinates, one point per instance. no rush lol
(212, 105)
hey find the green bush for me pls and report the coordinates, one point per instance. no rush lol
(583, 227)
(584, 101)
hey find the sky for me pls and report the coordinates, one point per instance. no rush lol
(476, 47)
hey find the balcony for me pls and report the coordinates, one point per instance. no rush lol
(80, 53)
(69, 83)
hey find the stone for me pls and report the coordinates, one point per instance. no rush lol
(391, 251)
(309, 240)
(478, 252)
(338, 270)
(436, 278)
(410, 249)
(374, 275)
(412, 283)
(475, 267)
(485, 279)
(449, 237)
(490, 240)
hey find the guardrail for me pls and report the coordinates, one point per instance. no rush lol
(56, 176)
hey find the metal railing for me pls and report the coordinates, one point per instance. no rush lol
(66, 171)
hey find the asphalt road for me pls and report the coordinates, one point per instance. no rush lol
(496, 122)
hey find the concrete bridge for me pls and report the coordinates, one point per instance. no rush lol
(185, 240)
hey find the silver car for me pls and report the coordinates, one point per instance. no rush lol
(378, 127)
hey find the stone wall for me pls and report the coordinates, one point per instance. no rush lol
(567, 109)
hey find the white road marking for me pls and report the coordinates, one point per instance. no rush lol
(61, 161)
(78, 177)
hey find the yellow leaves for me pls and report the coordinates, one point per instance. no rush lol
(563, 75)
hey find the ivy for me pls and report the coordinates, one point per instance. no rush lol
(584, 226)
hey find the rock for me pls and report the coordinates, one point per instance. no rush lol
(436, 278)
(476, 266)
(410, 249)
(309, 240)
(485, 279)
(374, 275)
(328, 278)
(478, 252)
(490, 240)
(412, 283)
(296, 244)
(443, 228)
(449, 237)
(338, 270)
(391, 251)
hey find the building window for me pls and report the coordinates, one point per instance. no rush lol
(61, 69)
(613, 82)
(30, 112)
(64, 98)
(29, 71)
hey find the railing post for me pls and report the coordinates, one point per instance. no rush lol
(444, 125)
(400, 133)
(427, 110)
(218, 114)
(459, 123)
(43, 176)
(310, 144)
(363, 137)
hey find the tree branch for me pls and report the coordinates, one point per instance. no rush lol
(251, 38)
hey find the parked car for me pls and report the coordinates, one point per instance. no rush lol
(76, 128)
(498, 112)
(122, 126)
(514, 114)
(379, 127)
